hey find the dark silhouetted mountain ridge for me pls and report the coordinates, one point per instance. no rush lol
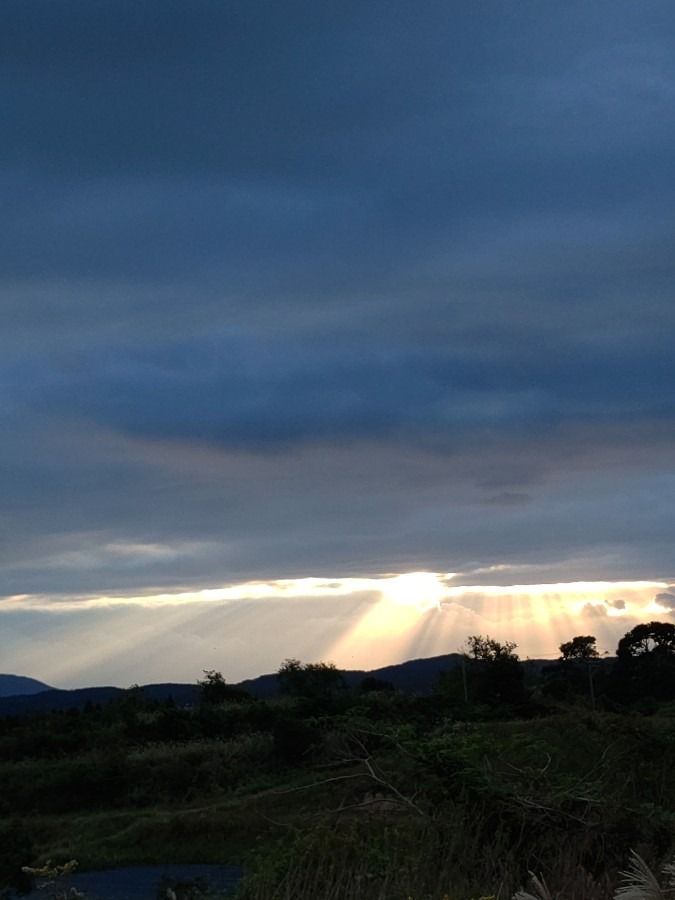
(414, 676)
(16, 685)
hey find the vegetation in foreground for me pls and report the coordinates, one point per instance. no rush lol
(329, 793)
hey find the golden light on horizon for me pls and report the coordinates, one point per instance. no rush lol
(248, 629)
(419, 614)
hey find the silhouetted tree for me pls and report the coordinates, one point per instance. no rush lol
(646, 639)
(494, 675)
(580, 647)
(488, 648)
(574, 673)
(214, 689)
(309, 680)
(646, 662)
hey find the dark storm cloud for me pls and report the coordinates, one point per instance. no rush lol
(355, 288)
(151, 141)
(257, 393)
(256, 87)
(166, 87)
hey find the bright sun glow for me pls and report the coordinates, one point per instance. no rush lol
(422, 590)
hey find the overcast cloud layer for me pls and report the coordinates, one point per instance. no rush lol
(335, 289)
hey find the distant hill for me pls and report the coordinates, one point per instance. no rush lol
(53, 699)
(417, 675)
(414, 676)
(16, 685)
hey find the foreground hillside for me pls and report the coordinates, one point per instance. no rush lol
(331, 790)
(379, 793)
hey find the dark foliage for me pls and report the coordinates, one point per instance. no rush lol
(580, 647)
(646, 663)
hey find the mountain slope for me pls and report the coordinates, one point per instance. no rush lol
(414, 676)
(19, 685)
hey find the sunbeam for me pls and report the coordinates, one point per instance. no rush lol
(362, 623)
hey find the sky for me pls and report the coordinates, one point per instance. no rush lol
(332, 331)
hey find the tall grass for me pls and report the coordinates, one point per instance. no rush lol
(405, 858)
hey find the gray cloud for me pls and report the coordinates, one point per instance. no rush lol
(334, 291)
(594, 611)
(509, 498)
(666, 600)
(251, 392)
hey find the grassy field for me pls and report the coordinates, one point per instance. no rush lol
(387, 798)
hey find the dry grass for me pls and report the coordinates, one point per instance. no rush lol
(638, 882)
